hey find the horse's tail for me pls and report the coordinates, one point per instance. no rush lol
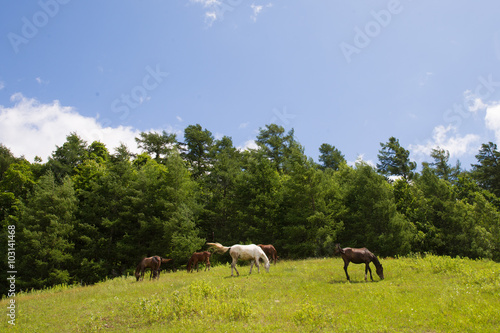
(219, 247)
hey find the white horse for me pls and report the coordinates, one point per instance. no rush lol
(243, 252)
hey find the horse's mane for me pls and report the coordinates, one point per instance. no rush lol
(375, 261)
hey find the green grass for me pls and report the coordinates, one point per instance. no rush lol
(431, 294)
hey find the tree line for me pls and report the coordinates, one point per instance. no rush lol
(87, 214)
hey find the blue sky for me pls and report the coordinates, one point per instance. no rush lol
(348, 73)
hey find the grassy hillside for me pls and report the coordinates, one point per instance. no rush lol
(433, 294)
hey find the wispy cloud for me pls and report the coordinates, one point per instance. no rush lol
(424, 78)
(214, 9)
(2, 85)
(40, 81)
(244, 125)
(257, 9)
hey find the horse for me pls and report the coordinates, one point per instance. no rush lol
(270, 252)
(198, 257)
(151, 262)
(160, 261)
(360, 256)
(243, 252)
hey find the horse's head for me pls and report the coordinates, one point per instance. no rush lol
(380, 271)
(267, 265)
(338, 249)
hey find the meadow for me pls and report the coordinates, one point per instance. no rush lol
(429, 294)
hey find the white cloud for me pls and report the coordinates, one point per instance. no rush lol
(40, 81)
(361, 159)
(214, 10)
(250, 144)
(448, 139)
(257, 9)
(492, 119)
(473, 102)
(210, 17)
(179, 119)
(31, 128)
(244, 125)
(2, 85)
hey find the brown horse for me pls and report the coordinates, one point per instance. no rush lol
(198, 257)
(160, 261)
(360, 256)
(270, 252)
(151, 262)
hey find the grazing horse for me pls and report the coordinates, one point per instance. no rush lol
(360, 256)
(198, 257)
(243, 252)
(270, 252)
(151, 262)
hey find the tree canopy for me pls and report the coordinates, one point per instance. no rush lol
(88, 214)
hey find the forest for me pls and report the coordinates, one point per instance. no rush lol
(88, 214)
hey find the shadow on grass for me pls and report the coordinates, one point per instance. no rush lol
(344, 281)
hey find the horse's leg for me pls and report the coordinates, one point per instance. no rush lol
(346, 263)
(368, 269)
(233, 266)
(207, 265)
(257, 263)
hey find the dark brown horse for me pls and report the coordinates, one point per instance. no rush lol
(360, 256)
(270, 252)
(198, 257)
(161, 261)
(151, 262)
